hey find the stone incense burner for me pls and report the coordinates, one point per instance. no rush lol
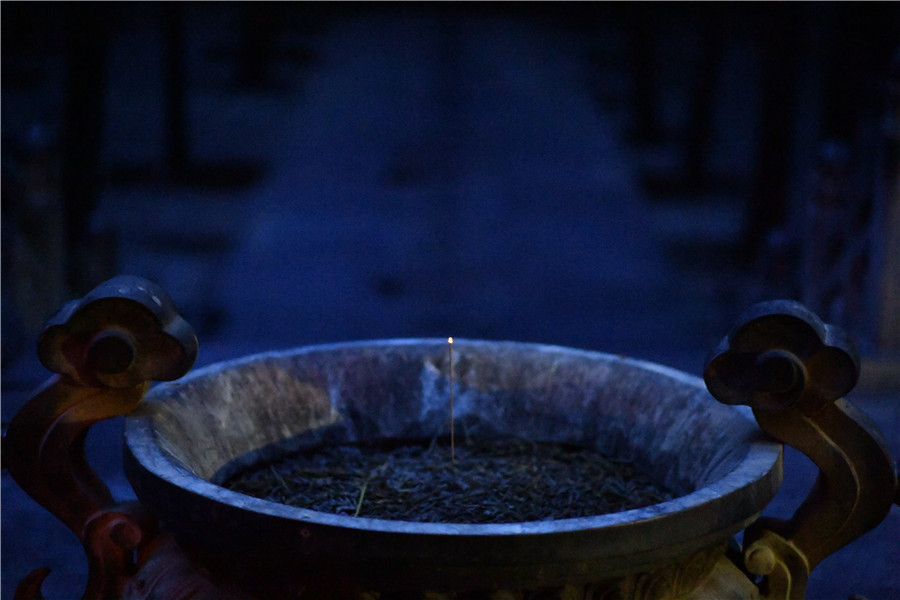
(189, 537)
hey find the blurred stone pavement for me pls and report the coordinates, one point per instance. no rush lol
(424, 176)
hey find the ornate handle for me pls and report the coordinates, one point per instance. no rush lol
(105, 348)
(792, 369)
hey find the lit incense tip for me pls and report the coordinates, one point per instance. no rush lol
(450, 368)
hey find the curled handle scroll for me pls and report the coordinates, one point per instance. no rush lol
(792, 370)
(104, 349)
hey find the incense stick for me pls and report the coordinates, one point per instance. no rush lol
(362, 494)
(452, 436)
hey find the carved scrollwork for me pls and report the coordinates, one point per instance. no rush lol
(105, 348)
(123, 333)
(666, 583)
(792, 369)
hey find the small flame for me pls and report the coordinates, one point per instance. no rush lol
(450, 340)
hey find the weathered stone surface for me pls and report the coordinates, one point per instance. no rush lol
(664, 420)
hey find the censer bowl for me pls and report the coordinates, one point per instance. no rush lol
(778, 377)
(187, 437)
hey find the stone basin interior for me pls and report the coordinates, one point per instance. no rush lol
(221, 419)
(189, 435)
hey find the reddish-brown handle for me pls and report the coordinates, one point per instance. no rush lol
(105, 349)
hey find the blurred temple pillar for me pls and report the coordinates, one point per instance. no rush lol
(838, 240)
(180, 165)
(175, 110)
(768, 198)
(887, 277)
(81, 136)
(851, 246)
(34, 238)
(691, 174)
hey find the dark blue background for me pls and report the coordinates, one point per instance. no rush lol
(626, 178)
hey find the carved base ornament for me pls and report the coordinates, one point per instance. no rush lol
(780, 360)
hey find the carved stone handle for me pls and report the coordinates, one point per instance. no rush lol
(792, 369)
(106, 348)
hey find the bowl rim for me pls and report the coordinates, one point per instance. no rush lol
(760, 465)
